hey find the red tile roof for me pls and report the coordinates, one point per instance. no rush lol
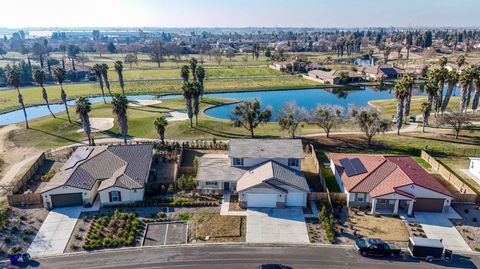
(385, 174)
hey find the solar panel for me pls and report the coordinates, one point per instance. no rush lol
(353, 167)
(358, 166)
(347, 166)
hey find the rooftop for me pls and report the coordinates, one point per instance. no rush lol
(217, 167)
(266, 148)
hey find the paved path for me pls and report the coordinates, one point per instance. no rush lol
(276, 225)
(438, 226)
(53, 236)
(225, 207)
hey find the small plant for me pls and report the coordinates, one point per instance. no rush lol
(25, 238)
(15, 249)
(74, 247)
(81, 229)
(469, 237)
(474, 219)
(395, 216)
(477, 248)
(466, 210)
(7, 240)
(161, 215)
(78, 236)
(184, 216)
(47, 176)
(14, 230)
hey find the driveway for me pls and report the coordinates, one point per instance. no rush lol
(438, 226)
(53, 236)
(276, 225)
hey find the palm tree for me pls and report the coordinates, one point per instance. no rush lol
(201, 77)
(370, 56)
(401, 92)
(83, 107)
(97, 69)
(426, 108)
(185, 73)
(196, 100)
(39, 78)
(431, 90)
(464, 81)
(451, 80)
(461, 61)
(193, 66)
(119, 107)
(476, 86)
(104, 70)
(386, 53)
(188, 91)
(60, 75)
(13, 79)
(160, 125)
(119, 69)
(408, 81)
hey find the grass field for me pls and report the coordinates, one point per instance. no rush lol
(389, 106)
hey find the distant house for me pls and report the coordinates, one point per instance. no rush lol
(474, 167)
(81, 72)
(289, 65)
(335, 77)
(264, 172)
(451, 66)
(381, 72)
(112, 174)
(392, 184)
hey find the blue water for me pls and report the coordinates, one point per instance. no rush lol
(42, 110)
(308, 98)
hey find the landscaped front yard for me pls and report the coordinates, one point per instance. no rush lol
(383, 227)
(469, 226)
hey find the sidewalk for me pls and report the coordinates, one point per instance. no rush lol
(224, 209)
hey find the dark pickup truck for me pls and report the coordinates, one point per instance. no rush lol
(373, 246)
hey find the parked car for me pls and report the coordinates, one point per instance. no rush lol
(428, 249)
(274, 266)
(374, 246)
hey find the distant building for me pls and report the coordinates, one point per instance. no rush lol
(381, 72)
(335, 77)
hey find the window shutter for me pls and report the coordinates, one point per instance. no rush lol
(110, 196)
(119, 196)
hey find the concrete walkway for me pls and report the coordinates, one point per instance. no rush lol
(439, 226)
(225, 207)
(276, 225)
(53, 236)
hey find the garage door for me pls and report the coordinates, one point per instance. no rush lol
(68, 199)
(261, 200)
(429, 205)
(296, 199)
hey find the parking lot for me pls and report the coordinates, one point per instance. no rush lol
(171, 233)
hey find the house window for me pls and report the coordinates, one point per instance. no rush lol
(383, 201)
(360, 197)
(391, 202)
(115, 196)
(293, 162)
(211, 183)
(237, 161)
(472, 165)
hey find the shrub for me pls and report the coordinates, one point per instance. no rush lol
(47, 176)
(14, 230)
(184, 216)
(466, 210)
(395, 216)
(15, 249)
(7, 240)
(477, 248)
(474, 219)
(161, 215)
(25, 238)
(74, 247)
(78, 236)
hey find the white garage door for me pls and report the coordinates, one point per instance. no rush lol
(261, 200)
(296, 199)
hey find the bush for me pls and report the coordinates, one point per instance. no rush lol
(15, 249)
(14, 230)
(466, 210)
(74, 247)
(7, 240)
(184, 216)
(47, 176)
(161, 215)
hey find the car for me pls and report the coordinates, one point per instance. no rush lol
(274, 266)
(375, 246)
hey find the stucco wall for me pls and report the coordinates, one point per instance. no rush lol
(337, 177)
(86, 194)
(280, 196)
(421, 192)
(249, 162)
(128, 196)
(474, 167)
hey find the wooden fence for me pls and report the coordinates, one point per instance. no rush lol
(24, 199)
(331, 196)
(21, 178)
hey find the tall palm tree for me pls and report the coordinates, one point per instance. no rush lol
(119, 107)
(82, 108)
(475, 73)
(193, 66)
(461, 61)
(97, 69)
(196, 100)
(386, 53)
(464, 81)
(438, 77)
(431, 90)
(426, 108)
(185, 73)
(188, 91)
(201, 77)
(60, 75)
(161, 125)
(119, 69)
(370, 56)
(39, 78)
(400, 93)
(408, 80)
(13, 79)
(104, 70)
(451, 80)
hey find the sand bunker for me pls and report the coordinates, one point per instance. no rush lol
(177, 116)
(144, 102)
(99, 124)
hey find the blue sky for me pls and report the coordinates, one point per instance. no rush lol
(239, 13)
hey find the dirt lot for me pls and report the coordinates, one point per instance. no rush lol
(216, 228)
(383, 227)
(469, 227)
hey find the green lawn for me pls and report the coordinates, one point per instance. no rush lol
(389, 106)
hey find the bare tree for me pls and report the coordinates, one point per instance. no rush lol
(249, 115)
(327, 117)
(290, 118)
(457, 120)
(370, 122)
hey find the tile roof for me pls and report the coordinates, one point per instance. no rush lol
(385, 174)
(125, 166)
(266, 148)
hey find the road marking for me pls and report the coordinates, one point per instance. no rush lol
(166, 232)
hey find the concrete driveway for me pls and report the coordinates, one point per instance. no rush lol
(53, 236)
(276, 225)
(438, 226)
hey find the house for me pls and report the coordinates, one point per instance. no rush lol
(264, 172)
(113, 174)
(392, 184)
(474, 167)
(290, 65)
(335, 77)
(381, 72)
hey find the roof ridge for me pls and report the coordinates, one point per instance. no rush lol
(370, 173)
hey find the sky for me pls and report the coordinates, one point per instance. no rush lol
(238, 13)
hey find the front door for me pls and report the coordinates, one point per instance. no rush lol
(226, 186)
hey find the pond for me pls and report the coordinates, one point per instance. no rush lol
(42, 110)
(307, 98)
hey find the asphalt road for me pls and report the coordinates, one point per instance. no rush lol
(238, 256)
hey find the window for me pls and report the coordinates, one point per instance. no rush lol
(472, 165)
(237, 162)
(293, 162)
(115, 196)
(360, 197)
(391, 202)
(211, 183)
(383, 201)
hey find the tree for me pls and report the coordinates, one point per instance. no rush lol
(249, 115)
(370, 56)
(104, 70)
(475, 73)
(268, 53)
(400, 93)
(327, 117)
(370, 122)
(431, 90)
(3, 52)
(196, 100)
(185, 73)
(13, 80)
(426, 108)
(193, 67)
(160, 125)
(230, 54)
(465, 82)
(461, 61)
(119, 69)
(119, 108)
(130, 59)
(188, 92)
(111, 48)
(290, 117)
(59, 74)
(82, 108)
(72, 53)
(39, 78)
(386, 53)
(39, 50)
(451, 80)
(156, 52)
(408, 80)
(457, 120)
(201, 77)
(97, 70)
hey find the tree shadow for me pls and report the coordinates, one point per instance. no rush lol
(55, 135)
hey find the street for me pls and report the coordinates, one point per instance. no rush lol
(238, 256)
